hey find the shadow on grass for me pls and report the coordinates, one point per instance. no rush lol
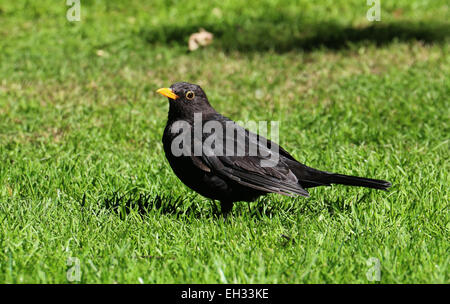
(144, 204)
(286, 34)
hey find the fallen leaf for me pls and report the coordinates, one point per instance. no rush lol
(202, 38)
(102, 53)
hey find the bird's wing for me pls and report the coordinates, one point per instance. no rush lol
(198, 162)
(247, 171)
(264, 170)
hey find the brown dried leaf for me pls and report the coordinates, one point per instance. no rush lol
(202, 38)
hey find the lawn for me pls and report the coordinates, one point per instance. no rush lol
(86, 194)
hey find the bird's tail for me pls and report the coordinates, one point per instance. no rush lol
(310, 177)
(349, 180)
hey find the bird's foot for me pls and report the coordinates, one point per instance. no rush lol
(226, 208)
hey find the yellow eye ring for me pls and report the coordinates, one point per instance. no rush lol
(190, 95)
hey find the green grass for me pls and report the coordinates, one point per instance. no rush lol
(82, 171)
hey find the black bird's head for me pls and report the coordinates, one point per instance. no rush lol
(185, 99)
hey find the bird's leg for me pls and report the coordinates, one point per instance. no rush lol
(214, 207)
(226, 207)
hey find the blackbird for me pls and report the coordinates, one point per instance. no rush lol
(207, 159)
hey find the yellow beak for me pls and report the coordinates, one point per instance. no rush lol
(167, 92)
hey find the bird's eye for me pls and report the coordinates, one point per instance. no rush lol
(190, 95)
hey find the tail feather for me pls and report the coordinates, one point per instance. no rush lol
(358, 181)
(310, 177)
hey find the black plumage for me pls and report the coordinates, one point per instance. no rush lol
(231, 177)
